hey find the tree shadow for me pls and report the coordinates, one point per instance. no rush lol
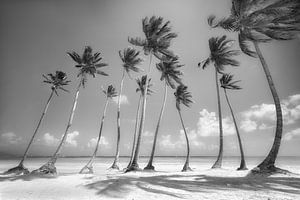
(27, 177)
(178, 185)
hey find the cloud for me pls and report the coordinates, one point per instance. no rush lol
(49, 140)
(71, 139)
(248, 125)
(263, 116)
(123, 99)
(208, 124)
(10, 138)
(166, 141)
(291, 134)
(103, 142)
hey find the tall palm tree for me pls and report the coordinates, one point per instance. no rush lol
(110, 92)
(220, 56)
(184, 97)
(227, 83)
(137, 134)
(130, 59)
(170, 73)
(259, 22)
(57, 82)
(157, 41)
(88, 64)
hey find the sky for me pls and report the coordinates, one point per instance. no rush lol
(35, 36)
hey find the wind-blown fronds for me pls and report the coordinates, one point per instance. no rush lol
(158, 37)
(227, 82)
(220, 54)
(183, 96)
(261, 21)
(130, 58)
(110, 92)
(88, 63)
(170, 71)
(57, 80)
(142, 85)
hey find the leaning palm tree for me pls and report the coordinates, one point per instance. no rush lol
(259, 22)
(220, 56)
(130, 59)
(110, 92)
(88, 64)
(227, 83)
(184, 97)
(137, 136)
(157, 42)
(57, 82)
(170, 73)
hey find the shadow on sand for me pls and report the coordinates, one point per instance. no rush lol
(179, 185)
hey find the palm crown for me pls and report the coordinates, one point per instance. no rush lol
(130, 59)
(110, 92)
(227, 82)
(88, 63)
(142, 85)
(169, 69)
(57, 80)
(183, 96)
(220, 53)
(158, 37)
(261, 21)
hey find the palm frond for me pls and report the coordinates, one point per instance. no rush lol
(56, 80)
(227, 82)
(182, 96)
(244, 46)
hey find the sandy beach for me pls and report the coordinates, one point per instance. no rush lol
(166, 183)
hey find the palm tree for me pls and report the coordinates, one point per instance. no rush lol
(110, 92)
(130, 59)
(259, 22)
(184, 97)
(88, 64)
(137, 134)
(220, 56)
(57, 82)
(169, 73)
(157, 42)
(228, 83)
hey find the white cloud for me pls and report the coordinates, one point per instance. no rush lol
(263, 116)
(166, 142)
(292, 134)
(180, 144)
(208, 124)
(123, 99)
(71, 139)
(103, 142)
(49, 140)
(10, 138)
(248, 125)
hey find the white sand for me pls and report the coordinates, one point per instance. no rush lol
(167, 183)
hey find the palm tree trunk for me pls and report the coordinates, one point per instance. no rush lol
(49, 167)
(269, 162)
(135, 131)
(21, 167)
(35, 131)
(218, 163)
(89, 165)
(186, 166)
(149, 165)
(115, 164)
(134, 164)
(243, 163)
